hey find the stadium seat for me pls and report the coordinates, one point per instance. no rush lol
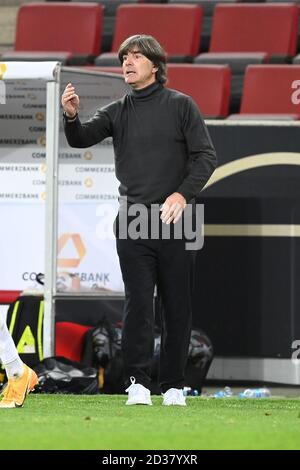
(209, 86)
(267, 92)
(270, 28)
(214, 79)
(244, 34)
(9, 296)
(165, 23)
(70, 33)
(109, 16)
(69, 340)
(208, 7)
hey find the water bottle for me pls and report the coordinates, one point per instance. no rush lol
(255, 393)
(225, 393)
(188, 391)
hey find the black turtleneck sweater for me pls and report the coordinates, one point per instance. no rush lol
(160, 141)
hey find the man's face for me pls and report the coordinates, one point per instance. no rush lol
(138, 71)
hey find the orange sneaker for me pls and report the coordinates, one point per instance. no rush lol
(17, 390)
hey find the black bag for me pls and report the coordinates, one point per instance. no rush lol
(60, 375)
(102, 350)
(200, 357)
(25, 322)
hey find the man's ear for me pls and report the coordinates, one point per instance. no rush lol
(154, 69)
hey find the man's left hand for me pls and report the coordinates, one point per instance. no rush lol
(172, 208)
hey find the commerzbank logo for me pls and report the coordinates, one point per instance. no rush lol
(71, 250)
(88, 182)
(88, 155)
(40, 116)
(3, 69)
(41, 141)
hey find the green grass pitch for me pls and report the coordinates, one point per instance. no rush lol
(104, 422)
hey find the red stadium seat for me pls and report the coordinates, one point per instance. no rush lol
(250, 33)
(9, 296)
(268, 92)
(57, 31)
(208, 7)
(251, 27)
(209, 86)
(176, 27)
(69, 340)
(213, 79)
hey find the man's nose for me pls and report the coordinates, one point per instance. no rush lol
(128, 60)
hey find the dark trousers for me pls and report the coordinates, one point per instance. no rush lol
(168, 265)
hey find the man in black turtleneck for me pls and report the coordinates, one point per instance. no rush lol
(163, 155)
